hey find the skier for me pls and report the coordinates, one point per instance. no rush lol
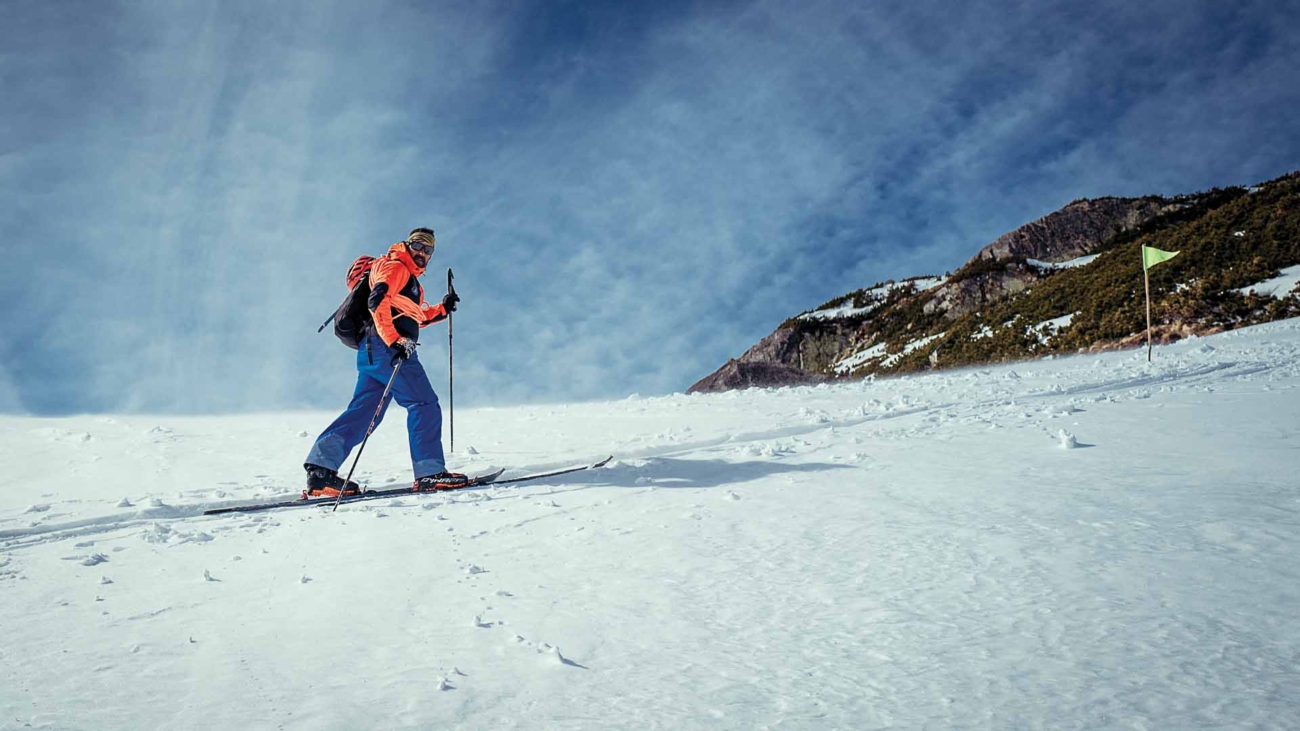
(398, 311)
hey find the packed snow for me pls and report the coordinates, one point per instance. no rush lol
(1279, 287)
(1094, 542)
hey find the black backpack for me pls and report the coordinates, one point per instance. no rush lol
(352, 318)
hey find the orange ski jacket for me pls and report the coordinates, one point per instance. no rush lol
(396, 298)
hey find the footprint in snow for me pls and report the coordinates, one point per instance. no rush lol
(551, 651)
(552, 654)
(548, 651)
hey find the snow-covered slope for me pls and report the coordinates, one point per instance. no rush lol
(1279, 287)
(1084, 543)
(875, 296)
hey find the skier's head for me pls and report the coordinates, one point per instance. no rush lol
(420, 243)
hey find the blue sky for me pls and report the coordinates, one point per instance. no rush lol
(629, 193)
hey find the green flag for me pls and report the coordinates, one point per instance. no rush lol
(1152, 256)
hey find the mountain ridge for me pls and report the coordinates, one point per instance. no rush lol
(1067, 282)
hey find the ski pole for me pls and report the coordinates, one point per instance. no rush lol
(451, 378)
(378, 411)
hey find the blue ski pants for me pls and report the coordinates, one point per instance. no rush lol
(412, 391)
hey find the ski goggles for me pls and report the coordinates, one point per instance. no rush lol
(420, 247)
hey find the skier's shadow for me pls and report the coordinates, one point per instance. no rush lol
(666, 472)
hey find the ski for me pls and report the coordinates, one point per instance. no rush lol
(483, 481)
(363, 495)
(541, 475)
(479, 481)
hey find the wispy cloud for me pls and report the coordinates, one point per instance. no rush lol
(628, 197)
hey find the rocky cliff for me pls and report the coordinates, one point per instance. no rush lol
(1076, 230)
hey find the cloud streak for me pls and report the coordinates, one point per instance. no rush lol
(627, 198)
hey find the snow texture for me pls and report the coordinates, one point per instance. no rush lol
(1093, 542)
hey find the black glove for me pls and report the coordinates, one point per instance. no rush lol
(403, 348)
(449, 301)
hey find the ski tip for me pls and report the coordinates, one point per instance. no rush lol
(487, 479)
(603, 462)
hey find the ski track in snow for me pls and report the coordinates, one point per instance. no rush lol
(988, 548)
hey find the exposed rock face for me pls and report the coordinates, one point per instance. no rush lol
(955, 299)
(782, 347)
(737, 375)
(809, 346)
(790, 356)
(1074, 231)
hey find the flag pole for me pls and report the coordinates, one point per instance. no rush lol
(1146, 276)
(1150, 257)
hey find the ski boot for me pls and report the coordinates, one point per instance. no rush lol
(441, 481)
(324, 482)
